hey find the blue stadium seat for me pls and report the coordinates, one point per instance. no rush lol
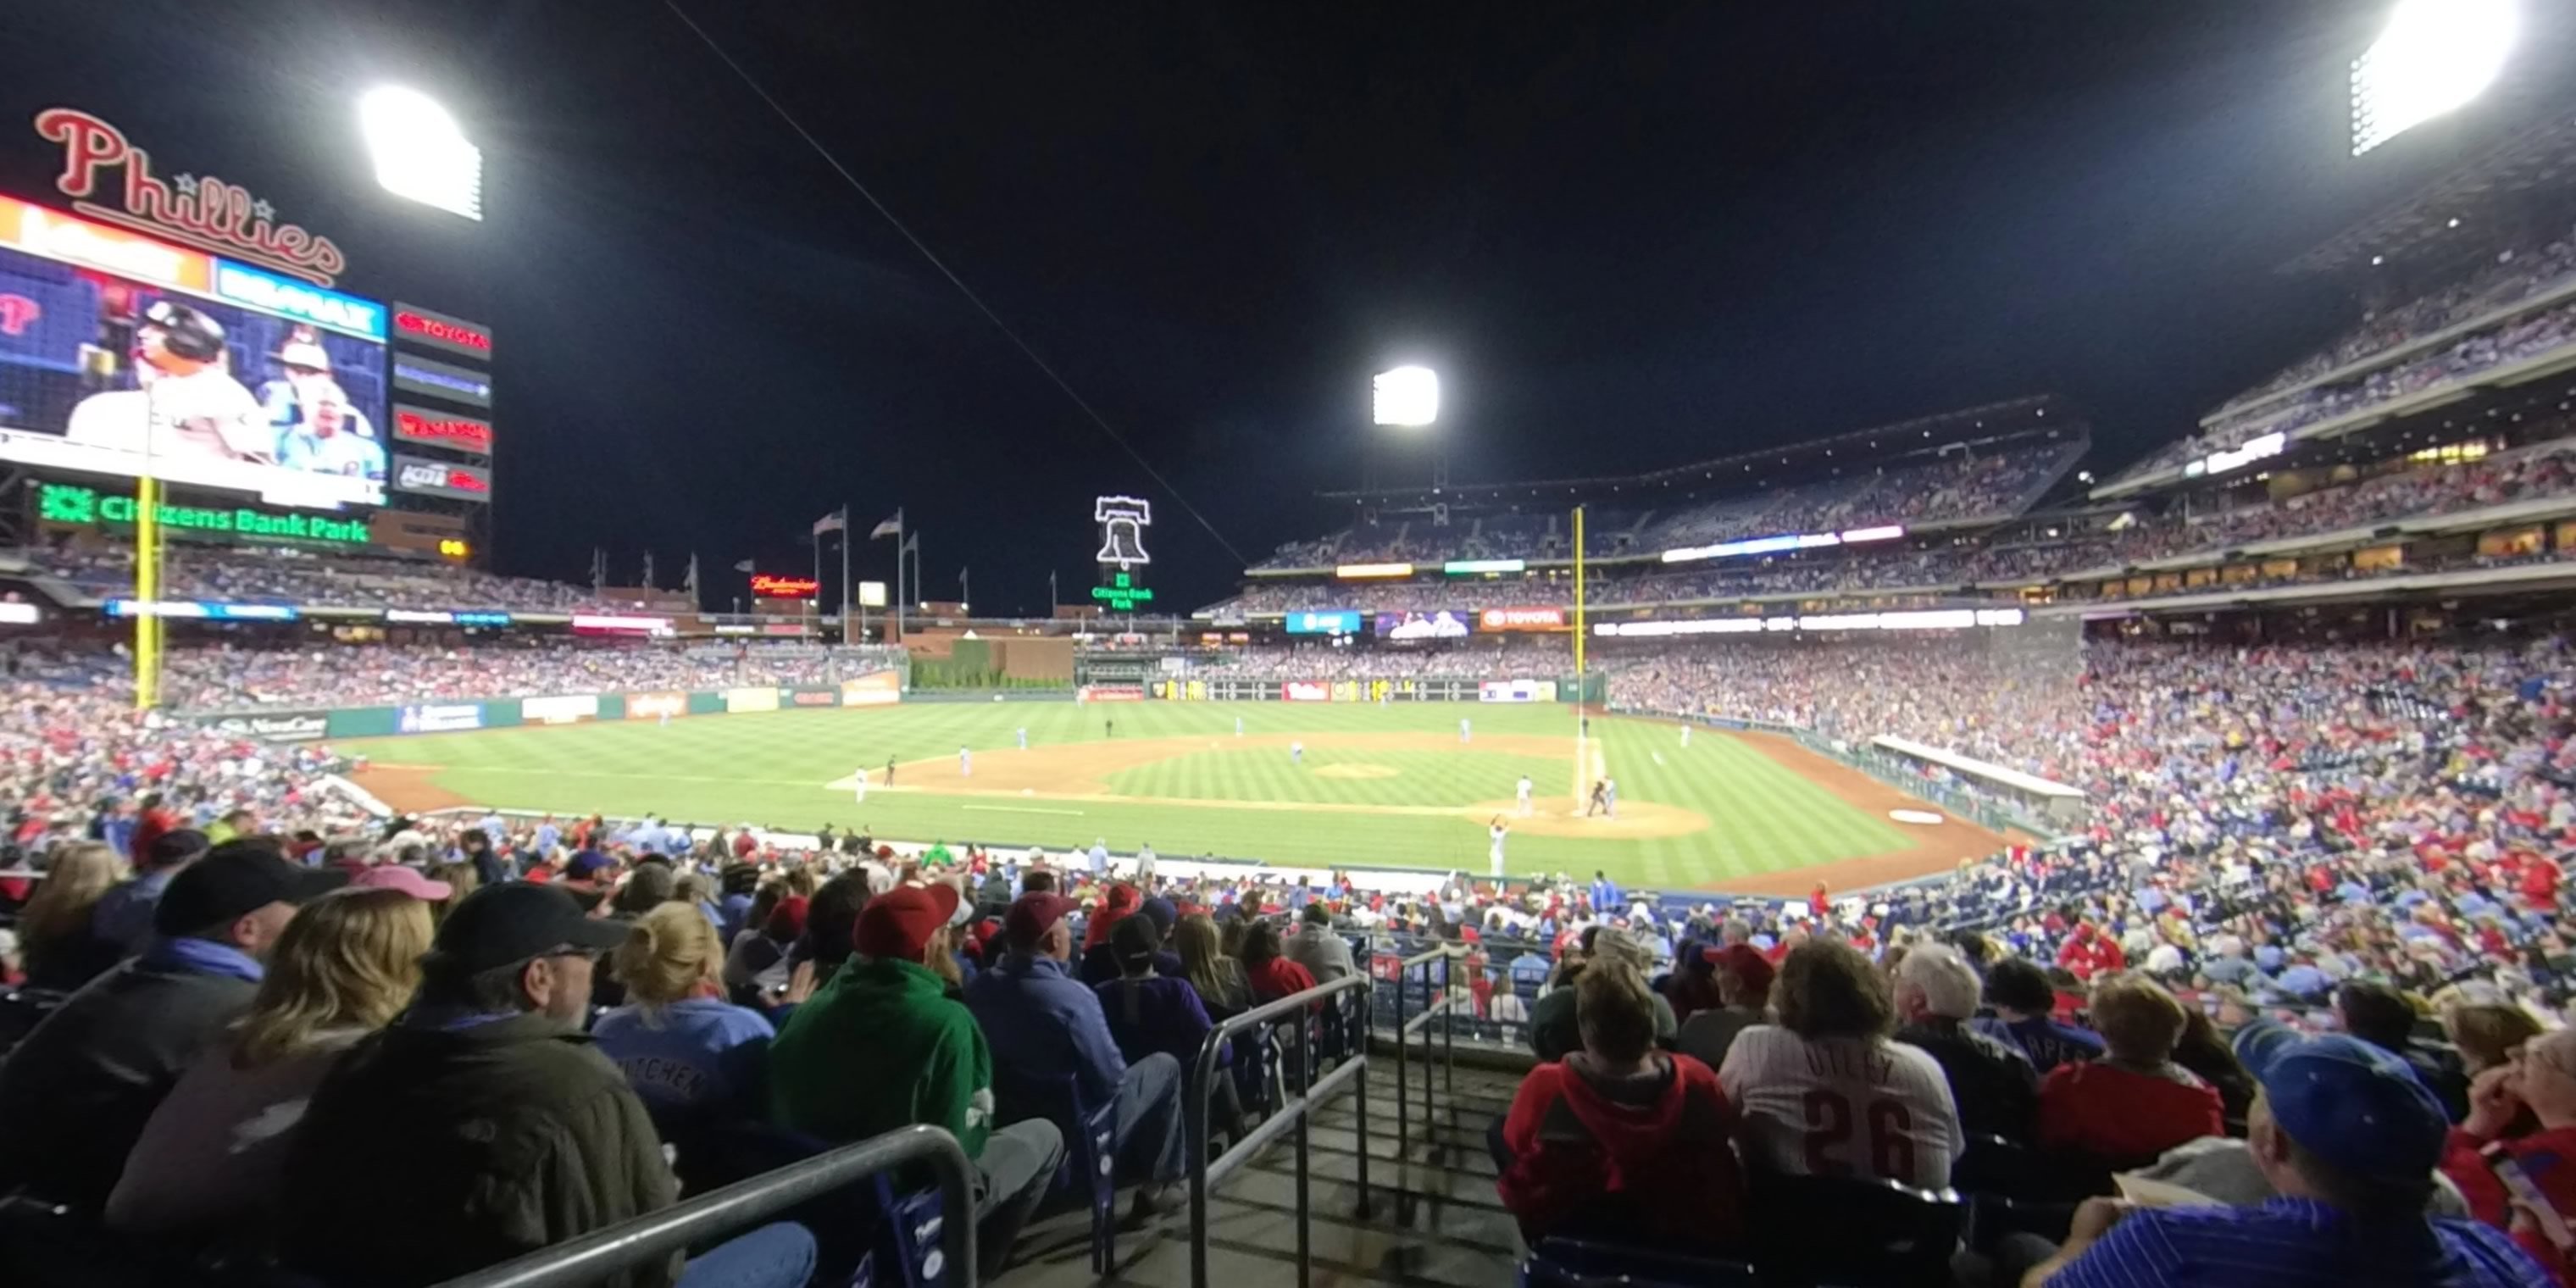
(1853, 1232)
(1090, 1148)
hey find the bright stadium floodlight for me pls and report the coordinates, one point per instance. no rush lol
(419, 152)
(1407, 396)
(2434, 56)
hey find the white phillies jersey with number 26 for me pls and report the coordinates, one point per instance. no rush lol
(1842, 1107)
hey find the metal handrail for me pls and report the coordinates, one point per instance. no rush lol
(1291, 1113)
(628, 1244)
(1404, 1031)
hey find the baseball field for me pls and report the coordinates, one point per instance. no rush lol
(1392, 786)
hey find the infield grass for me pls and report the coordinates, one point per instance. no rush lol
(1382, 786)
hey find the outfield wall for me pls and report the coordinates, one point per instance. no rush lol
(312, 724)
(1240, 689)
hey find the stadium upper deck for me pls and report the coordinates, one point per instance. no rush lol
(2467, 287)
(1978, 466)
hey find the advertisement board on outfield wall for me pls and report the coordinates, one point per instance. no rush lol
(1110, 693)
(875, 689)
(761, 698)
(1516, 691)
(654, 706)
(275, 726)
(439, 717)
(569, 708)
(1306, 691)
(808, 695)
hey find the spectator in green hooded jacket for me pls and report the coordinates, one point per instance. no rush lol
(885, 1023)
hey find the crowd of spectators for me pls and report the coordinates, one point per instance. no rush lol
(1992, 482)
(294, 577)
(2513, 277)
(2523, 337)
(237, 678)
(2422, 491)
(2289, 832)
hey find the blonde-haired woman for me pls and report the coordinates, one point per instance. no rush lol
(62, 954)
(1219, 978)
(689, 1054)
(210, 1160)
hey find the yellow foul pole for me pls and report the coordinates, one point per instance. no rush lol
(147, 592)
(1578, 604)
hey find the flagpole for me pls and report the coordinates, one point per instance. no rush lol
(845, 573)
(817, 600)
(900, 598)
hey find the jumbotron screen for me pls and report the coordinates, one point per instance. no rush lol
(1421, 627)
(117, 349)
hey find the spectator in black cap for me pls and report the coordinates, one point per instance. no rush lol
(77, 1092)
(488, 1120)
(124, 915)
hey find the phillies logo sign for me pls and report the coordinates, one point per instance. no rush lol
(17, 313)
(201, 210)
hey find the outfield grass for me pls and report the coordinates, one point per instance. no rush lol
(1208, 794)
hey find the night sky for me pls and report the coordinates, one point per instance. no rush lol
(1628, 236)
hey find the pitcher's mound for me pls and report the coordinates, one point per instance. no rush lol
(1357, 771)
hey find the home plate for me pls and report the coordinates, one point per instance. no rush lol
(1028, 791)
(1918, 817)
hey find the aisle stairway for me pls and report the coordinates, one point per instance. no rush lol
(1435, 1219)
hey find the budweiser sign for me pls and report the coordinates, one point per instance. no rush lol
(421, 425)
(200, 210)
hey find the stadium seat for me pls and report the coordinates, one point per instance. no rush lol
(1991, 1164)
(1857, 1233)
(1090, 1149)
(1579, 1263)
(859, 1230)
(21, 1009)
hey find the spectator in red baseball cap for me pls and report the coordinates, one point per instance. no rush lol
(885, 1022)
(1045, 1026)
(1741, 976)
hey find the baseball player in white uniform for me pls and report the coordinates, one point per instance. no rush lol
(1686, 735)
(1494, 855)
(965, 762)
(1525, 795)
(1296, 753)
(859, 784)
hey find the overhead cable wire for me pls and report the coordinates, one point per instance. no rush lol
(953, 279)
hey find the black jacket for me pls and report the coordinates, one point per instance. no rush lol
(75, 1095)
(486, 1141)
(1996, 1086)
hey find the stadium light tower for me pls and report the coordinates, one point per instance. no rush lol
(2433, 57)
(1409, 398)
(419, 152)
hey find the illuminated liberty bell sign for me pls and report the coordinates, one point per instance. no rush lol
(1122, 520)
